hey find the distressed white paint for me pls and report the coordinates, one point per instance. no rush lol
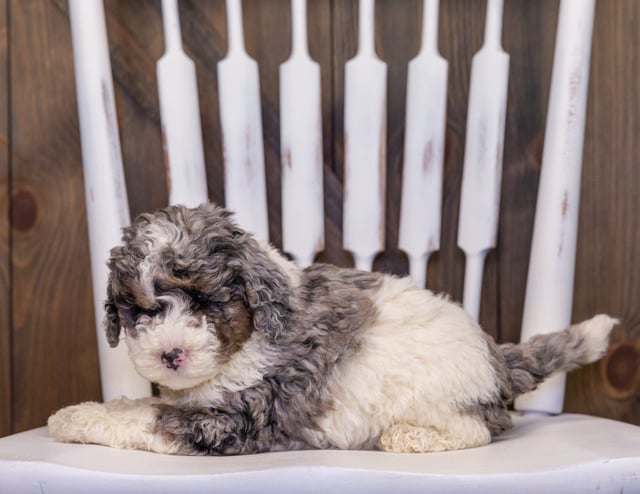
(549, 292)
(105, 191)
(570, 453)
(180, 116)
(365, 130)
(301, 146)
(482, 174)
(421, 206)
(241, 121)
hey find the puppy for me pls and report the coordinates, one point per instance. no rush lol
(253, 354)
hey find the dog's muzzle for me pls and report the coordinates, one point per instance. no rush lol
(173, 359)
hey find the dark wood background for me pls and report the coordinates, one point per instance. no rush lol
(48, 355)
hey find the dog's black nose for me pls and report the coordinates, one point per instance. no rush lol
(172, 359)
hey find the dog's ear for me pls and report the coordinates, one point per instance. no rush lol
(243, 259)
(267, 293)
(111, 320)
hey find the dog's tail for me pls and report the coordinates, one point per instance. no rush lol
(531, 362)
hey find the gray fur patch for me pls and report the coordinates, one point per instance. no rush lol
(327, 311)
(495, 414)
(331, 306)
(202, 256)
(520, 368)
(531, 362)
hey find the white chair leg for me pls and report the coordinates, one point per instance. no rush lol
(549, 291)
(105, 190)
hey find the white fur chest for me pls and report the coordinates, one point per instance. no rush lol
(244, 370)
(422, 360)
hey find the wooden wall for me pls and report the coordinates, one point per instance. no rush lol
(5, 302)
(48, 352)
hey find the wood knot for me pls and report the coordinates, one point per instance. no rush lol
(24, 211)
(622, 370)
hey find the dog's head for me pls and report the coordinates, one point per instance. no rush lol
(190, 288)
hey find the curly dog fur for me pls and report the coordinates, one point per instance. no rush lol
(253, 354)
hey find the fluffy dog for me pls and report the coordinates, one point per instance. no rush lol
(253, 354)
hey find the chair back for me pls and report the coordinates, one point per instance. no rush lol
(305, 199)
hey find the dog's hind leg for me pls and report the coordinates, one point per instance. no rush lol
(460, 432)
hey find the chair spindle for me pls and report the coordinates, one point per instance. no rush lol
(482, 173)
(301, 146)
(105, 190)
(549, 290)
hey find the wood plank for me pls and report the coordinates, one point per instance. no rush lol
(396, 51)
(269, 48)
(320, 50)
(135, 42)
(460, 36)
(531, 52)
(322, 32)
(5, 239)
(204, 36)
(344, 43)
(53, 341)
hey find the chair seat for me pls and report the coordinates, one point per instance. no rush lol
(566, 453)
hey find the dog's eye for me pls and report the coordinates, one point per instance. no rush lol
(202, 300)
(181, 274)
(151, 311)
(199, 297)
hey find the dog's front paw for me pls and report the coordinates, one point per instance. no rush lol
(77, 423)
(120, 423)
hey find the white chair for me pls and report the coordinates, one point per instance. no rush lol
(544, 452)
